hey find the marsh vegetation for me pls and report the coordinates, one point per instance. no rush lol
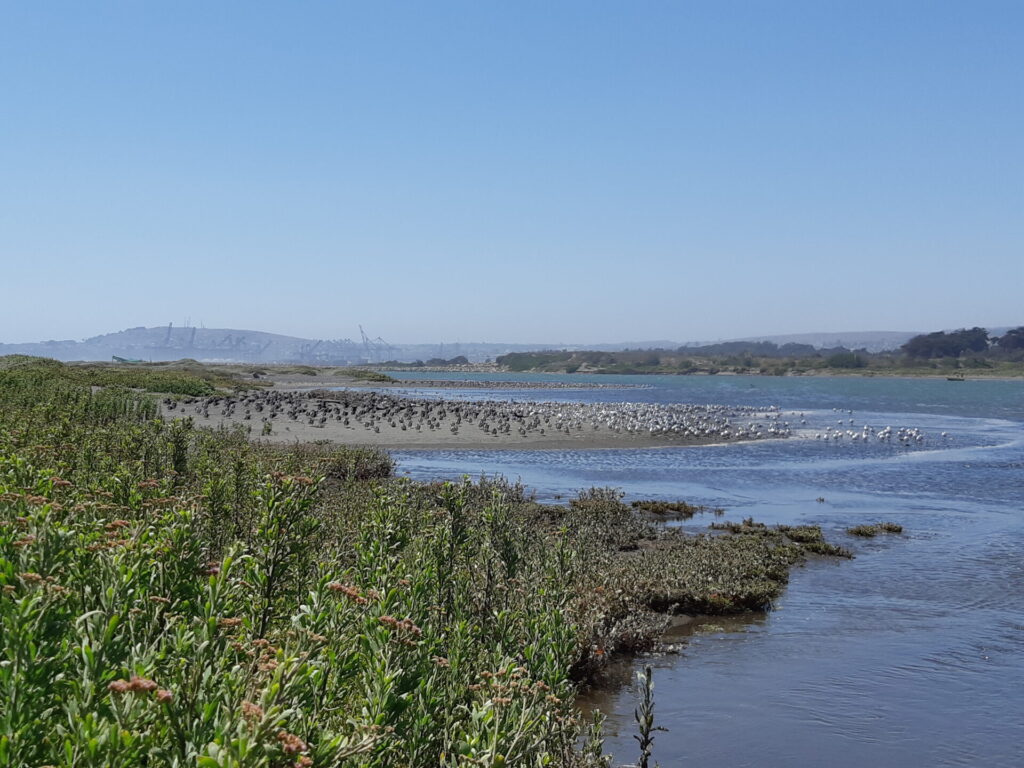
(182, 596)
(678, 509)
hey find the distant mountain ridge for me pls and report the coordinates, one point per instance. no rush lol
(163, 343)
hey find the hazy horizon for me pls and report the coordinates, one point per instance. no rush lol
(464, 339)
(584, 172)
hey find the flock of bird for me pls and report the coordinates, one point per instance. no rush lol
(903, 435)
(488, 384)
(372, 411)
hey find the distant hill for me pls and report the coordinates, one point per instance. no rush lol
(164, 343)
(236, 345)
(169, 343)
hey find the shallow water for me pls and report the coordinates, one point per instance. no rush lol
(911, 654)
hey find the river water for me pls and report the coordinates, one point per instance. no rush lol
(912, 654)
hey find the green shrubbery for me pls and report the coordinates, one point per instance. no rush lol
(16, 368)
(180, 596)
(845, 360)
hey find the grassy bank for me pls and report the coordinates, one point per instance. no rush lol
(186, 379)
(180, 377)
(179, 596)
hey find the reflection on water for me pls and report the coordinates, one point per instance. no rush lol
(910, 655)
(618, 678)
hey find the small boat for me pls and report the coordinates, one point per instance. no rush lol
(958, 377)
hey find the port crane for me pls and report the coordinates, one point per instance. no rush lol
(376, 349)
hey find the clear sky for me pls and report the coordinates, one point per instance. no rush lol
(520, 171)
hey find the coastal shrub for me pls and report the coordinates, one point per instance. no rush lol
(182, 596)
(335, 463)
(31, 371)
(845, 360)
(21, 361)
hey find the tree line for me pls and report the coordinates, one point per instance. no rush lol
(970, 347)
(965, 342)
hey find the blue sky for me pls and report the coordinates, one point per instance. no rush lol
(529, 172)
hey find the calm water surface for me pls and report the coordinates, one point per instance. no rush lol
(910, 655)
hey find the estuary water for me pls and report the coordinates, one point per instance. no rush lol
(912, 654)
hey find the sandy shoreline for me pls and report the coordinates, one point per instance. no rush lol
(394, 439)
(393, 421)
(300, 382)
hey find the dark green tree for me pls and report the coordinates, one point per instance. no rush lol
(952, 344)
(1012, 339)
